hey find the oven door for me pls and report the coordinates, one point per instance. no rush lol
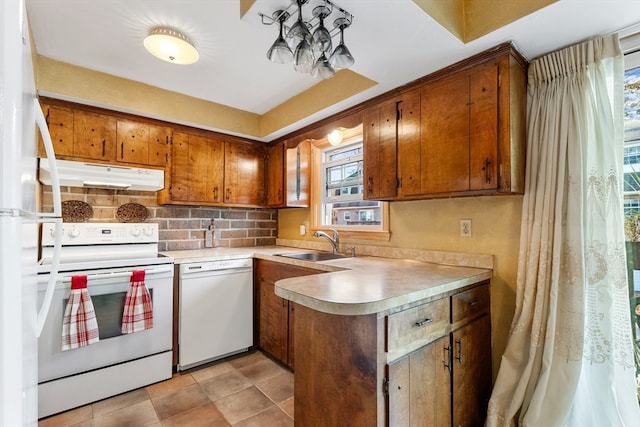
(108, 289)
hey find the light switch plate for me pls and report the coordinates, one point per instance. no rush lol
(465, 228)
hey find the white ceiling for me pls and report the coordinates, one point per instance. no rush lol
(393, 42)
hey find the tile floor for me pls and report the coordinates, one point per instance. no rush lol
(243, 391)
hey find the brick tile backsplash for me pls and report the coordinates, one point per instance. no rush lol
(181, 227)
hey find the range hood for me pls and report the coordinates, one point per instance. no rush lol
(94, 175)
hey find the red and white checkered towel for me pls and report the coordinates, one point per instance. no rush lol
(138, 310)
(79, 324)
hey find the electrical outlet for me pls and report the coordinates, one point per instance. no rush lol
(465, 228)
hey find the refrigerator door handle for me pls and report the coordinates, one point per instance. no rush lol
(48, 147)
(56, 217)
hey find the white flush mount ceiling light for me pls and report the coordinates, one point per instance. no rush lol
(307, 42)
(171, 46)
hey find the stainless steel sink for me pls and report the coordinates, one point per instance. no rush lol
(313, 256)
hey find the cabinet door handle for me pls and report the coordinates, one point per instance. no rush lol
(369, 184)
(474, 302)
(459, 351)
(228, 195)
(122, 150)
(215, 193)
(423, 322)
(103, 147)
(485, 168)
(447, 357)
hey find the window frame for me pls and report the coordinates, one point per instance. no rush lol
(381, 233)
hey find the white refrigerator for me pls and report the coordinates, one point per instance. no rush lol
(20, 318)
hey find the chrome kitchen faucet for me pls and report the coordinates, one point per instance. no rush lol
(335, 241)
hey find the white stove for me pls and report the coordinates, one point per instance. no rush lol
(107, 254)
(102, 245)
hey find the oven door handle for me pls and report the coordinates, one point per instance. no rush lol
(114, 275)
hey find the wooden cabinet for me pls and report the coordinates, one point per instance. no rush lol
(418, 387)
(275, 315)
(447, 381)
(471, 356)
(204, 169)
(196, 172)
(459, 132)
(426, 364)
(459, 124)
(287, 175)
(91, 134)
(379, 146)
(244, 174)
(274, 167)
(78, 134)
(60, 122)
(142, 143)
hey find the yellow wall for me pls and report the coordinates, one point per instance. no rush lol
(434, 224)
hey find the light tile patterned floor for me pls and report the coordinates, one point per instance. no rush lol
(249, 390)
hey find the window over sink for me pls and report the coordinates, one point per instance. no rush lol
(337, 189)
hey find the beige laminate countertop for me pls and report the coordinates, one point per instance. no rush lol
(352, 286)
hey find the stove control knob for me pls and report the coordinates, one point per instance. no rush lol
(135, 232)
(148, 231)
(74, 232)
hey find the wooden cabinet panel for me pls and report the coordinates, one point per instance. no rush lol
(244, 174)
(417, 326)
(94, 136)
(273, 321)
(196, 168)
(419, 387)
(471, 372)
(159, 143)
(445, 135)
(409, 137)
(275, 175)
(133, 142)
(60, 122)
(179, 185)
(380, 152)
(470, 304)
(275, 316)
(483, 123)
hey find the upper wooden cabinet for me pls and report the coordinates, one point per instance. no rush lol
(205, 169)
(94, 136)
(142, 143)
(275, 164)
(91, 134)
(288, 175)
(78, 134)
(244, 174)
(379, 144)
(460, 132)
(196, 170)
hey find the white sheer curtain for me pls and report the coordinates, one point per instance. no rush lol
(569, 358)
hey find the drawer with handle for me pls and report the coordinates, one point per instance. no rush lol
(411, 329)
(470, 304)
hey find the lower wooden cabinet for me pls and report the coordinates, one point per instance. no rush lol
(275, 315)
(471, 367)
(418, 387)
(428, 364)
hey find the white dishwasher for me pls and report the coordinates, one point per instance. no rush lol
(215, 310)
